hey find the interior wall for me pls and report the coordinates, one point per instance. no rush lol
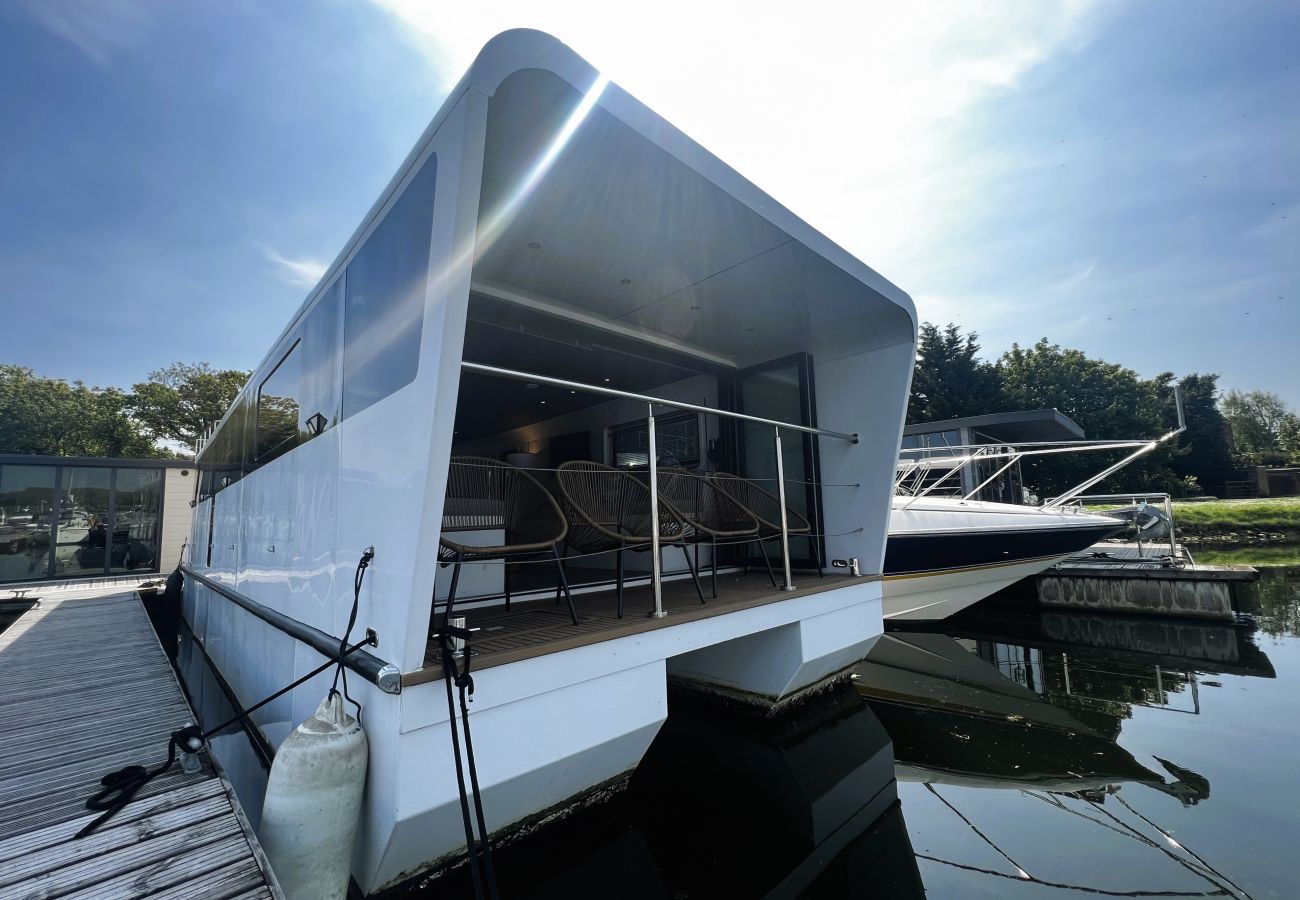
(700, 389)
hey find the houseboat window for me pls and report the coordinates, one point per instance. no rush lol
(277, 408)
(384, 298)
(27, 513)
(136, 520)
(677, 438)
(320, 372)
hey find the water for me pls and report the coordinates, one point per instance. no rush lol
(1010, 753)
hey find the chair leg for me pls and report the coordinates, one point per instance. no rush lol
(762, 548)
(695, 576)
(713, 555)
(564, 584)
(618, 554)
(451, 593)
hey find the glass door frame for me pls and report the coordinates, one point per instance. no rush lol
(731, 450)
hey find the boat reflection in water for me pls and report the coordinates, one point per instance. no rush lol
(1006, 733)
(725, 804)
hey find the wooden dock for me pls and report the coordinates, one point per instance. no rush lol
(85, 688)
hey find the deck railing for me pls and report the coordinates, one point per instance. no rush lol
(652, 452)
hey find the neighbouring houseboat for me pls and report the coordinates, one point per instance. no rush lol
(575, 380)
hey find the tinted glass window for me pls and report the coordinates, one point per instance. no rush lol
(677, 439)
(137, 520)
(384, 305)
(27, 513)
(319, 348)
(277, 408)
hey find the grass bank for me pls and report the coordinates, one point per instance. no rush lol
(1271, 515)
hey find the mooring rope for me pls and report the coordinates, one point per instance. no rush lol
(121, 786)
(478, 850)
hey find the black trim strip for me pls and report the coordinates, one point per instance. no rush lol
(382, 674)
(921, 553)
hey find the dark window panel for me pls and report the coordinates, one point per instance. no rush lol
(384, 298)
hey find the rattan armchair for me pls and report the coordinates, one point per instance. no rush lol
(710, 511)
(486, 494)
(608, 509)
(765, 507)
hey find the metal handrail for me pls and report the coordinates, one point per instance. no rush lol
(652, 451)
(646, 398)
(382, 674)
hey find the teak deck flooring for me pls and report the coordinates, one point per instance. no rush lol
(538, 627)
(85, 688)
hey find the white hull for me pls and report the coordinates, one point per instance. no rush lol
(937, 596)
(947, 554)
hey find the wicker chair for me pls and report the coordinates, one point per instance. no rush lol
(765, 507)
(609, 509)
(485, 494)
(710, 511)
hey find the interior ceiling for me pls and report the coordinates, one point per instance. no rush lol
(619, 228)
(510, 339)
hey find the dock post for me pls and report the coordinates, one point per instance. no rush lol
(656, 563)
(780, 492)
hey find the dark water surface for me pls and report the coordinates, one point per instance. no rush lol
(1013, 752)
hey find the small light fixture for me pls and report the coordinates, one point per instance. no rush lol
(543, 403)
(749, 329)
(532, 385)
(695, 309)
(316, 424)
(534, 245)
(607, 381)
(625, 281)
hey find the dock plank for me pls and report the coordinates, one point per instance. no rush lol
(85, 688)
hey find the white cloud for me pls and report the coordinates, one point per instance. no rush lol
(847, 113)
(304, 272)
(100, 30)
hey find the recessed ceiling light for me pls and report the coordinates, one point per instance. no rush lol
(606, 380)
(534, 245)
(625, 281)
(532, 385)
(573, 392)
(543, 403)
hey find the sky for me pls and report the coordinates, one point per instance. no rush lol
(1123, 178)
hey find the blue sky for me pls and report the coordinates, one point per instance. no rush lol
(1122, 178)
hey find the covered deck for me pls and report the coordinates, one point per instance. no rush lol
(536, 627)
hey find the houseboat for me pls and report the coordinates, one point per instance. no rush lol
(578, 383)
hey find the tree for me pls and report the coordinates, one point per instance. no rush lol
(1256, 418)
(1107, 400)
(1204, 450)
(949, 380)
(52, 416)
(1288, 438)
(180, 402)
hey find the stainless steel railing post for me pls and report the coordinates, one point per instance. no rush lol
(780, 493)
(656, 563)
(1173, 541)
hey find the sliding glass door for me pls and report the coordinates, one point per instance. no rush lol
(782, 390)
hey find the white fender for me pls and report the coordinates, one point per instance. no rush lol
(313, 802)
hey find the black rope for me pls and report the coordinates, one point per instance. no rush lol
(341, 671)
(478, 850)
(121, 786)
